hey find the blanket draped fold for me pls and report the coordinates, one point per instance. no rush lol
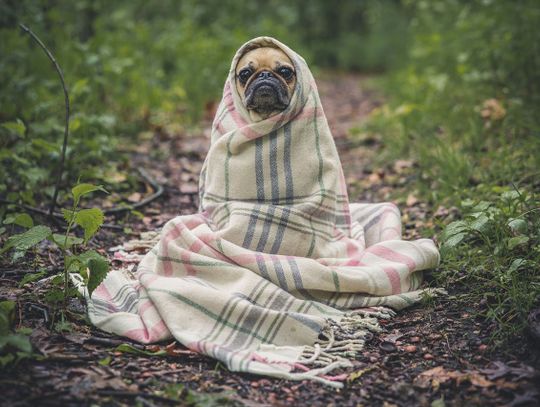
(277, 274)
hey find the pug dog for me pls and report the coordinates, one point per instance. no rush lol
(265, 79)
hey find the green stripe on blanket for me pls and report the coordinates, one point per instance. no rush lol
(269, 275)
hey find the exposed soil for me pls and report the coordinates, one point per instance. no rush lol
(435, 354)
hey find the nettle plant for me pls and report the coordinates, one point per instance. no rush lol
(14, 343)
(495, 248)
(89, 264)
(505, 225)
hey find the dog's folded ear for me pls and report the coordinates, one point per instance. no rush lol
(265, 80)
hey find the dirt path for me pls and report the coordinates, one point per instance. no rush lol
(438, 354)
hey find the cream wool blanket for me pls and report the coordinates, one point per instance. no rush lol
(277, 274)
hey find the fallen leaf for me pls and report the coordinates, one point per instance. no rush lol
(434, 377)
(412, 200)
(392, 337)
(478, 380)
(134, 197)
(400, 165)
(189, 188)
(410, 348)
(359, 373)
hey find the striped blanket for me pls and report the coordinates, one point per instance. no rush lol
(277, 274)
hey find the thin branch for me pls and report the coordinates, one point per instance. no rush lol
(66, 124)
(158, 191)
(55, 217)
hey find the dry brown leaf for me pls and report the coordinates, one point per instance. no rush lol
(400, 165)
(189, 188)
(134, 197)
(412, 200)
(438, 375)
(478, 380)
(492, 109)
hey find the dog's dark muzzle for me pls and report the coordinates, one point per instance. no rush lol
(266, 93)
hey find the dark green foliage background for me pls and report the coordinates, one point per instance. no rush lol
(132, 61)
(460, 54)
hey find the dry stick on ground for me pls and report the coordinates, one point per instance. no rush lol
(158, 191)
(55, 215)
(66, 124)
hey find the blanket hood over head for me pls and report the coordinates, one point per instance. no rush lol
(281, 177)
(277, 274)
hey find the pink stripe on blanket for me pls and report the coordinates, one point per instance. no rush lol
(262, 359)
(208, 239)
(306, 113)
(389, 254)
(193, 221)
(220, 129)
(196, 246)
(173, 234)
(144, 306)
(148, 277)
(195, 346)
(243, 125)
(394, 278)
(144, 335)
(352, 248)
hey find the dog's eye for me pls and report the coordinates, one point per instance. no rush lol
(244, 75)
(286, 73)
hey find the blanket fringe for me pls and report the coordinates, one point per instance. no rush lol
(339, 341)
(320, 374)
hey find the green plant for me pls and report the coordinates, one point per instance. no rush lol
(14, 346)
(462, 103)
(495, 250)
(88, 263)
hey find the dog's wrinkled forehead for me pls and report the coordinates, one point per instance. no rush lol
(271, 58)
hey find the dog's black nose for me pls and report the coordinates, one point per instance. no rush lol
(266, 74)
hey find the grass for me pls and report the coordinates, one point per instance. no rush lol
(484, 165)
(495, 251)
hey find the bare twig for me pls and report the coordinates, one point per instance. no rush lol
(56, 216)
(66, 124)
(110, 342)
(158, 191)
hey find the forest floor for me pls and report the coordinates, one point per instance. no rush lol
(434, 354)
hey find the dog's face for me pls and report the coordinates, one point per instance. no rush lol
(265, 78)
